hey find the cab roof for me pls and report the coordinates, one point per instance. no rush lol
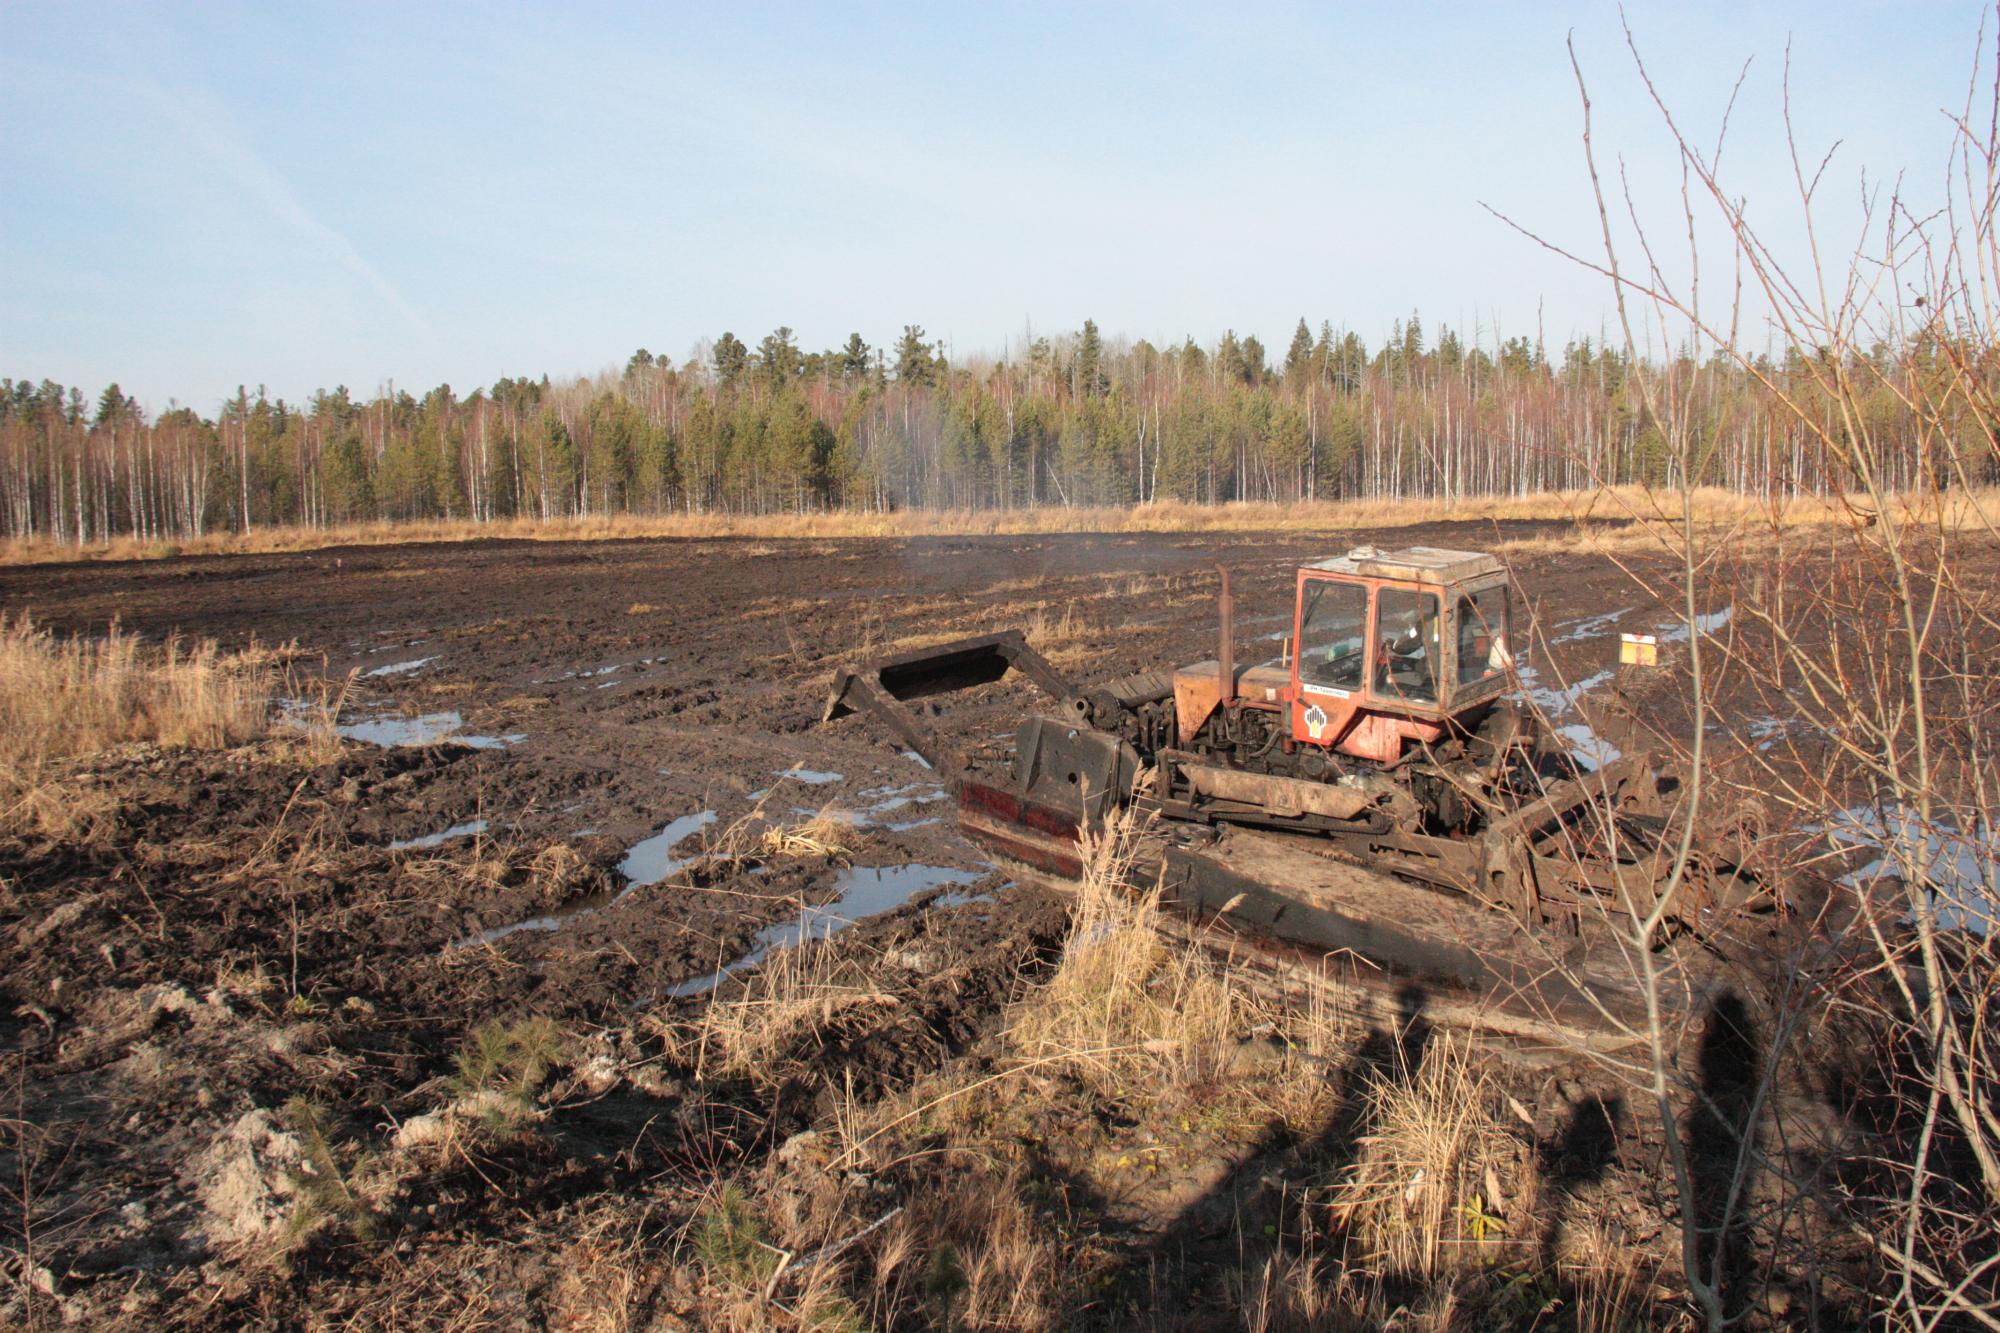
(1418, 564)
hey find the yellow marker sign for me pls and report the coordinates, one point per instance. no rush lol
(1638, 650)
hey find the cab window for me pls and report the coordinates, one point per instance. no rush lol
(1484, 648)
(1331, 635)
(1406, 625)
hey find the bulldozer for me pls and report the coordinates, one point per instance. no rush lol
(1377, 790)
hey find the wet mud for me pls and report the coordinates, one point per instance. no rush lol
(561, 764)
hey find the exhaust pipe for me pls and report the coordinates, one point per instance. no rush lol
(1225, 657)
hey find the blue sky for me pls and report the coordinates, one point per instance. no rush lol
(295, 195)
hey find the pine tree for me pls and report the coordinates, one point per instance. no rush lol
(914, 361)
(1254, 367)
(1229, 358)
(853, 359)
(731, 359)
(778, 358)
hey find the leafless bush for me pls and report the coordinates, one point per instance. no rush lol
(1869, 645)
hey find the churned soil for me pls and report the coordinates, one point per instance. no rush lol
(242, 1001)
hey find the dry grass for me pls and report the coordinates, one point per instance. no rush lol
(1434, 1183)
(758, 835)
(311, 726)
(603, 1273)
(817, 838)
(962, 1248)
(973, 1248)
(62, 698)
(1125, 997)
(1052, 635)
(1714, 506)
(787, 1004)
(1432, 1225)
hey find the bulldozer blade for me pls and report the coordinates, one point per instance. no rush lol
(1063, 777)
(1020, 828)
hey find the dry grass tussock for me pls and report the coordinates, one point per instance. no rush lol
(1125, 994)
(65, 697)
(786, 1006)
(1433, 1186)
(761, 836)
(1714, 506)
(818, 837)
(973, 1248)
(814, 1244)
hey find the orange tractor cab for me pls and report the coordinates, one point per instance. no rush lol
(1385, 650)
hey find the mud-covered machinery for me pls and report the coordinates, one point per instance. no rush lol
(1386, 728)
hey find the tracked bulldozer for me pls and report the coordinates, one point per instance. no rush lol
(1376, 792)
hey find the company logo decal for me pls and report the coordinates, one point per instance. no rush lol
(1315, 721)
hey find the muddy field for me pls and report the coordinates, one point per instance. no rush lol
(392, 1039)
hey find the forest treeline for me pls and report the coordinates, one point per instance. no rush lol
(1075, 420)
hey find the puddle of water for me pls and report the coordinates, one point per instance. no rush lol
(902, 802)
(1590, 750)
(1962, 870)
(464, 830)
(1703, 624)
(885, 801)
(553, 921)
(1555, 702)
(865, 891)
(811, 777)
(400, 668)
(1768, 731)
(389, 731)
(648, 862)
(584, 673)
(651, 860)
(956, 899)
(1588, 627)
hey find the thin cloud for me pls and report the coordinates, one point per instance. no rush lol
(210, 130)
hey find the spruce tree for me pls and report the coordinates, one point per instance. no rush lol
(1089, 378)
(1299, 356)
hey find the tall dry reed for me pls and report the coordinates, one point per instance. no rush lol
(65, 697)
